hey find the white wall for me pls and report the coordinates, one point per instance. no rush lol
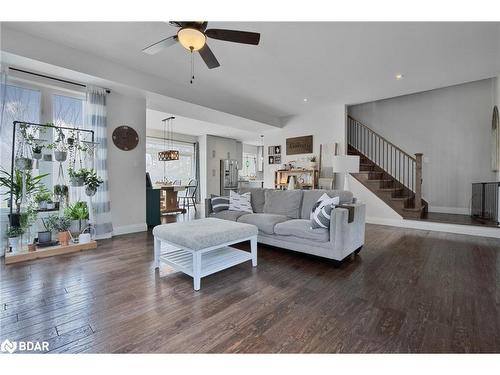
(326, 124)
(127, 168)
(496, 101)
(451, 127)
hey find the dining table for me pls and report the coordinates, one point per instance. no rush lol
(168, 198)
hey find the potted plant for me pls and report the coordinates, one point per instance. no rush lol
(14, 185)
(37, 151)
(61, 190)
(46, 235)
(50, 204)
(79, 214)
(77, 178)
(312, 162)
(60, 224)
(23, 163)
(60, 154)
(14, 235)
(92, 182)
(42, 197)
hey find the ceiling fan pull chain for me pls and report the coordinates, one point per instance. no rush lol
(192, 66)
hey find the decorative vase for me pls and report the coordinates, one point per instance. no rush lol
(60, 155)
(63, 238)
(312, 165)
(14, 243)
(24, 164)
(90, 191)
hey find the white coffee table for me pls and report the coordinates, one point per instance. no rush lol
(202, 247)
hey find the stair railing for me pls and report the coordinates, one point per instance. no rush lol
(403, 167)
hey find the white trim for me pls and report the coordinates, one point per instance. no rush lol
(450, 210)
(470, 230)
(131, 228)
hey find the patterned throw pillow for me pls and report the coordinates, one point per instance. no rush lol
(219, 203)
(240, 202)
(321, 211)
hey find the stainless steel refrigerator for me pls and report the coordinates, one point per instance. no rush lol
(228, 176)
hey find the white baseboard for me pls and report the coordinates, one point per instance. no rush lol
(450, 210)
(132, 228)
(470, 230)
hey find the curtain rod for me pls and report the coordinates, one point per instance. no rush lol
(52, 78)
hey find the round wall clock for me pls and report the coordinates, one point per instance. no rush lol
(125, 138)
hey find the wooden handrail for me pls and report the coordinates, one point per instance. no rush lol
(381, 137)
(395, 162)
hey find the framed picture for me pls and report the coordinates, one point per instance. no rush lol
(277, 159)
(277, 150)
(299, 145)
(271, 159)
(270, 150)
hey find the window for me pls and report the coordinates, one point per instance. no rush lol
(179, 170)
(21, 104)
(67, 111)
(249, 165)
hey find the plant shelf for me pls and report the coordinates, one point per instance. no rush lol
(44, 252)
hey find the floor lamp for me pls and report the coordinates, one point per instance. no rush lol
(346, 164)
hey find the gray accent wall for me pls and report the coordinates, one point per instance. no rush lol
(451, 127)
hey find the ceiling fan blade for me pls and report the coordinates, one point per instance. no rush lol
(158, 46)
(236, 36)
(208, 56)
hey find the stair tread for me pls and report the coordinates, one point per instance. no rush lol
(377, 180)
(390, 189)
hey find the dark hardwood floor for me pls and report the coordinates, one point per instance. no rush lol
(407, 291)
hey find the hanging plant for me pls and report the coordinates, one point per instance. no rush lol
(37, 151)
(77, 178)
(92, 182)
(60, 155)
(24, 164)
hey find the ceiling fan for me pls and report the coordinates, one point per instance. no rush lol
(192, 35)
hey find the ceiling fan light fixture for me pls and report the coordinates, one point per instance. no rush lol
(191, 39)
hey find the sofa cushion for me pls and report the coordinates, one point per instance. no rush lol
(240, 202)
(258, 198)
(265, 222)
(219, 203)
(312, 196)
(228, 215)
(283, 202)
(302, 228)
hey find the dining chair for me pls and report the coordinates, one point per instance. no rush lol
(190, 196)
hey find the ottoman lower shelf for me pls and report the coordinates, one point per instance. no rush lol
(211, 262)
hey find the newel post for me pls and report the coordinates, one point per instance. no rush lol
(418, 181)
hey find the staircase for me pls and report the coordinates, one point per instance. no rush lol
(389, 172)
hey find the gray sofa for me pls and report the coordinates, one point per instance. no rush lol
(283, 219)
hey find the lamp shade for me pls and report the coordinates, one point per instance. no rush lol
(345, 164)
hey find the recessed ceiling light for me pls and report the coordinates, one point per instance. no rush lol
(399, 76)
(305, 100)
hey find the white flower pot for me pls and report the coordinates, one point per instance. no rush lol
(14, 243)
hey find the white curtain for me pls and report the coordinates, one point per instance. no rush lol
(95, 119)
(3, 163)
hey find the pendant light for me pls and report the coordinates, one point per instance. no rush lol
(169, 153)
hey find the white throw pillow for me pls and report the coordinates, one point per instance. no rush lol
(240, 202)
(321, 211)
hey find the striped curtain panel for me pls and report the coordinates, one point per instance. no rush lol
(95, 119)
(3, 163)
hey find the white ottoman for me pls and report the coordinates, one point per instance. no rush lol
(201, 247)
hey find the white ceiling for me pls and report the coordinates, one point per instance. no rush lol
(326, 62)
(184, 125)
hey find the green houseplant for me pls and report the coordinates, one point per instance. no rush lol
(14, 234)
(78, 213)
(61, 224)
(77, 178)
(92, 182)
(14, 185)
(43, 197)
